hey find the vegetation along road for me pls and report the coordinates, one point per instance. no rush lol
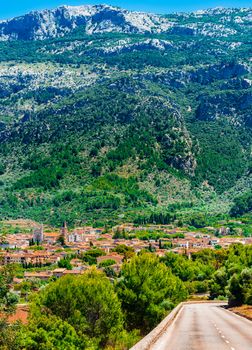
(206, 326)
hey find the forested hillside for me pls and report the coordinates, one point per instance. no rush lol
(102, 126)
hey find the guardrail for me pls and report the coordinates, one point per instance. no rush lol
(150, 339)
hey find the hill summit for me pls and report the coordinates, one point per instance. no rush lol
(46, 24)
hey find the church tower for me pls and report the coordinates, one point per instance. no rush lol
(38, 234)
(64, 232)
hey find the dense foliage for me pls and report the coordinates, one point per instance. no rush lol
(94, 313)
(88, 304)
(8, 300)
(100, 312)
(109, 127)
(147, 291)
(224, 273)
(242, 205)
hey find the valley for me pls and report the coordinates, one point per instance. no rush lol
(125, 178)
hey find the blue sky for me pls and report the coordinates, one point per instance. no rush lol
(11, 8)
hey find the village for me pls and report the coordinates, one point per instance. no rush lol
(41, 251)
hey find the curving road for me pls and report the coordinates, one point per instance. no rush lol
(206, 327)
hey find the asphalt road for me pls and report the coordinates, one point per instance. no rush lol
(206, 327)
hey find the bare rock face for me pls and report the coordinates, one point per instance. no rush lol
(40, 25)
(46, 24)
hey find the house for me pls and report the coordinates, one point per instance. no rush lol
(76, 263)
(224, 231)
(58, 272)
(73, 272)
(51, 237)
(214, 241)
(42, 275)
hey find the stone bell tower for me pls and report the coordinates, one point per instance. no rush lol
(64, 232)
(38, 234)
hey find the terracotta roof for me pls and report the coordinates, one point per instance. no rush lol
(21, 314)
(59, 270)
(72, 272)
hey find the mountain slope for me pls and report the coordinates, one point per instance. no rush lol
(106, 127)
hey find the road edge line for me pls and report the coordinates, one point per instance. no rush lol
(146, 342)
(238, 315)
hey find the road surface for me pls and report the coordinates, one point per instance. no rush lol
(206, 326)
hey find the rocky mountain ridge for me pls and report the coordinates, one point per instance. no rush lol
(46, 24)
(39, 25)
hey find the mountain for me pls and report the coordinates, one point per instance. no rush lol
(108, 115)
(41, 25)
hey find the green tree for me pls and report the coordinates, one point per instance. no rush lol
(218, 283)
(186, 269)
(239, 288)
(9, 335)
(92, 254)
(88, 303)
(49, 332)
(107, 262)
(125, 250)
(145, 289)
(235, 291)
(8, 301)
(242, 204)
(65, 263)
(199, 220)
